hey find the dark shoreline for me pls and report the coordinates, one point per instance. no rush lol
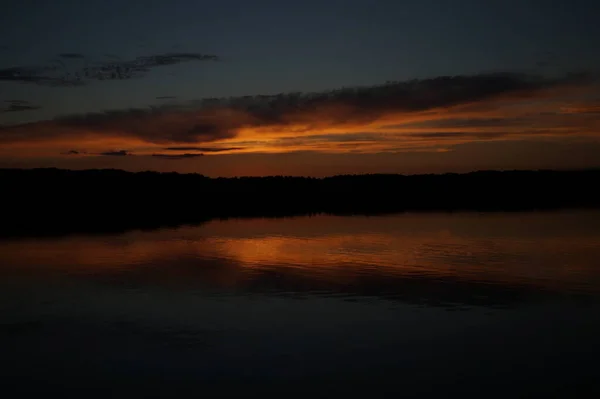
(51, 202)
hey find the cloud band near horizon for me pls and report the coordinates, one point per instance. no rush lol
(417, 115)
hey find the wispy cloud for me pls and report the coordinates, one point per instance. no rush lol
(593, 108)
(461, 135)
(18, 106)
(120, 153)
(73, 152)
(177, 156)
(80, 70)
(203, 149)
(42, 75)
(426, 113)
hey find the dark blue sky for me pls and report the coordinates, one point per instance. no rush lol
(273, 46)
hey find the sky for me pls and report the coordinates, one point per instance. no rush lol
(308, 88)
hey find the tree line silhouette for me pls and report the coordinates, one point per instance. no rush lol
(56, 201)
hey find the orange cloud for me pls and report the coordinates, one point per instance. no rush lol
(418, 115)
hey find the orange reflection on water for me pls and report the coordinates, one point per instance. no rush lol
(554, 250)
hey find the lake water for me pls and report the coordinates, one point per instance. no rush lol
(416, 305)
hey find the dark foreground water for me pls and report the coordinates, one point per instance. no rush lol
(412, 305)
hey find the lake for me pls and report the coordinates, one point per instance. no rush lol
(407, 305)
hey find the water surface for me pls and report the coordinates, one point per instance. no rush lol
(490, 304)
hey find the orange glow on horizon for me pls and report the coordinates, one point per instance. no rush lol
(331, 128)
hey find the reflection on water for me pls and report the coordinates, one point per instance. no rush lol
(336, 302)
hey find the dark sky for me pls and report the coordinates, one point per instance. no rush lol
(150, 62)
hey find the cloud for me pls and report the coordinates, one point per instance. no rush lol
(341, 137)
(155, 125)
(123, 153)
(57, 73)
(18, 106)
(177, 156)
(462, 135)
(172, 59)
(582, 109)
(139, 66)
(409, 114)
(120, 153)
(460, 123)
(166, 97)
(203, 149)
(41, 75)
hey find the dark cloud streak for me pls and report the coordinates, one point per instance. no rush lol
(18, 106)
(453, 135)
(203, 149)
(57, 73)
(120, 153)
(35, 75)
(177, 156)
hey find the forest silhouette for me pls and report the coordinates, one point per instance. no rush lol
(49, 201)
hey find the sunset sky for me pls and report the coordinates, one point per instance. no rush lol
(300, 88)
